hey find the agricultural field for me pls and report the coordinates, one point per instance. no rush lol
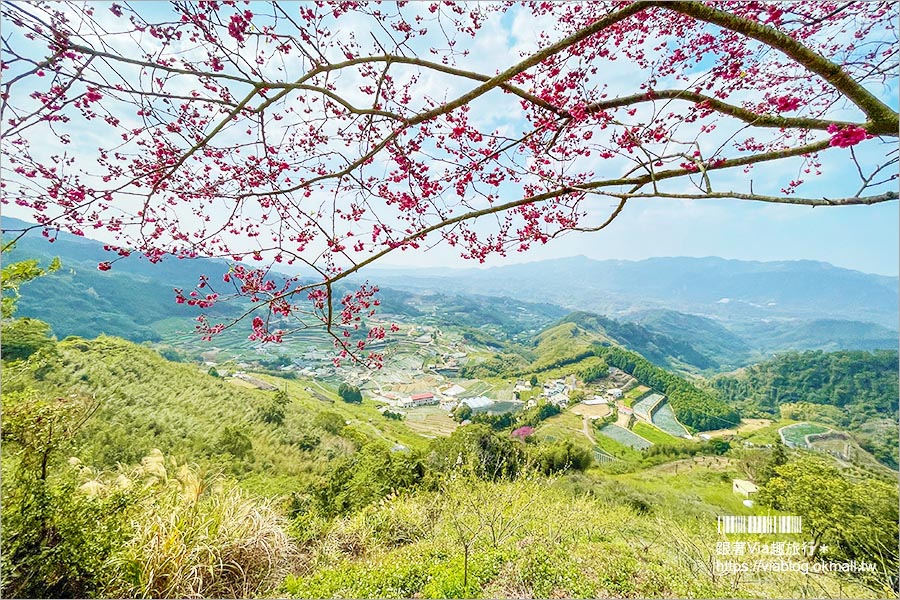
(429, 421)
(563, 426)
(652, 434)
(634, 394)
(746, 427)
(795, 435)
(623, 436)
(664, 418)
(615, 449)
(591, 411)
(503, 406)
(703, 479)
(474, 388)
(644, 405)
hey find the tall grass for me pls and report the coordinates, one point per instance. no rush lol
(202, 539)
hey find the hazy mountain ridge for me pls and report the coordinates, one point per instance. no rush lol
(715, 287)
(132, 298)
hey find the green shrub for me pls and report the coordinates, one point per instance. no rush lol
(57, 538)
(235, 441)
(24, 337)
(562, 455)
(330, 422)
(349, 393)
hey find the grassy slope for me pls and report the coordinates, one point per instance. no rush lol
(582, 536)
(148, 402)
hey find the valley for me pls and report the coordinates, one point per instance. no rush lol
(506, 448)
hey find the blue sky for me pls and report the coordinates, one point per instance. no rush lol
(864, 238)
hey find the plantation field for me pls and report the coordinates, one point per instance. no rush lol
(240, 383)
(768, 434)
(429, 421)
(560, 427)
(703, 479)
(651, 433)
(634, 394)
(747, 426)
(503, 406)
(616, 449)
(474, 388)
(664, 418)
(642, 407)
(623, 436)
(795, 435)
(596, 410)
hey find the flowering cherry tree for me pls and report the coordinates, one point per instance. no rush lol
(327, 135)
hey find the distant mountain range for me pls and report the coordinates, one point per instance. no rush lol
(731, 290)
(699, 315)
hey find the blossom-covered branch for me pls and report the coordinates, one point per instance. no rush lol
(322, 137)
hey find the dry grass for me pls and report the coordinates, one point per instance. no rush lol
(198, 541)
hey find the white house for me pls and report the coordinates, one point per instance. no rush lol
(615, 393)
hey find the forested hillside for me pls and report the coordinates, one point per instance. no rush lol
(853, 390)
(863, 384)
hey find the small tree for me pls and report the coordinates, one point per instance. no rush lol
(329, 421)
(235, 441)
(777, 458)
(463, 412)
(274, 411)
(349, 393)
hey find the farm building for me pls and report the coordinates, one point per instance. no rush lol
(596, 400)
(477, 402)
(743, 487)
(552, 388)
(561, 399)
(615, 393)
(423, 399)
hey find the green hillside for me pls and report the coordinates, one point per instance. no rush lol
(854, 390)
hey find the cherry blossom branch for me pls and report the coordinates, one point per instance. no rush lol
(883, 119)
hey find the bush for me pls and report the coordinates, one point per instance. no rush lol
(489, 454)
(349, 393)
(24, 337)
(235, 441)
(273, 412)
(331, 422)
(562, 455)
(366, 476)
(57, 539)
(203, 541)
(461, 413)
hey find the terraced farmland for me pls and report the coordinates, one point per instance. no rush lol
(664, 418)
(642, 407)
(474, 388)
(623, 436)
(795, 435)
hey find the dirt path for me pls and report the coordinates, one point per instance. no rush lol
(622, 420)
(586, 430)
